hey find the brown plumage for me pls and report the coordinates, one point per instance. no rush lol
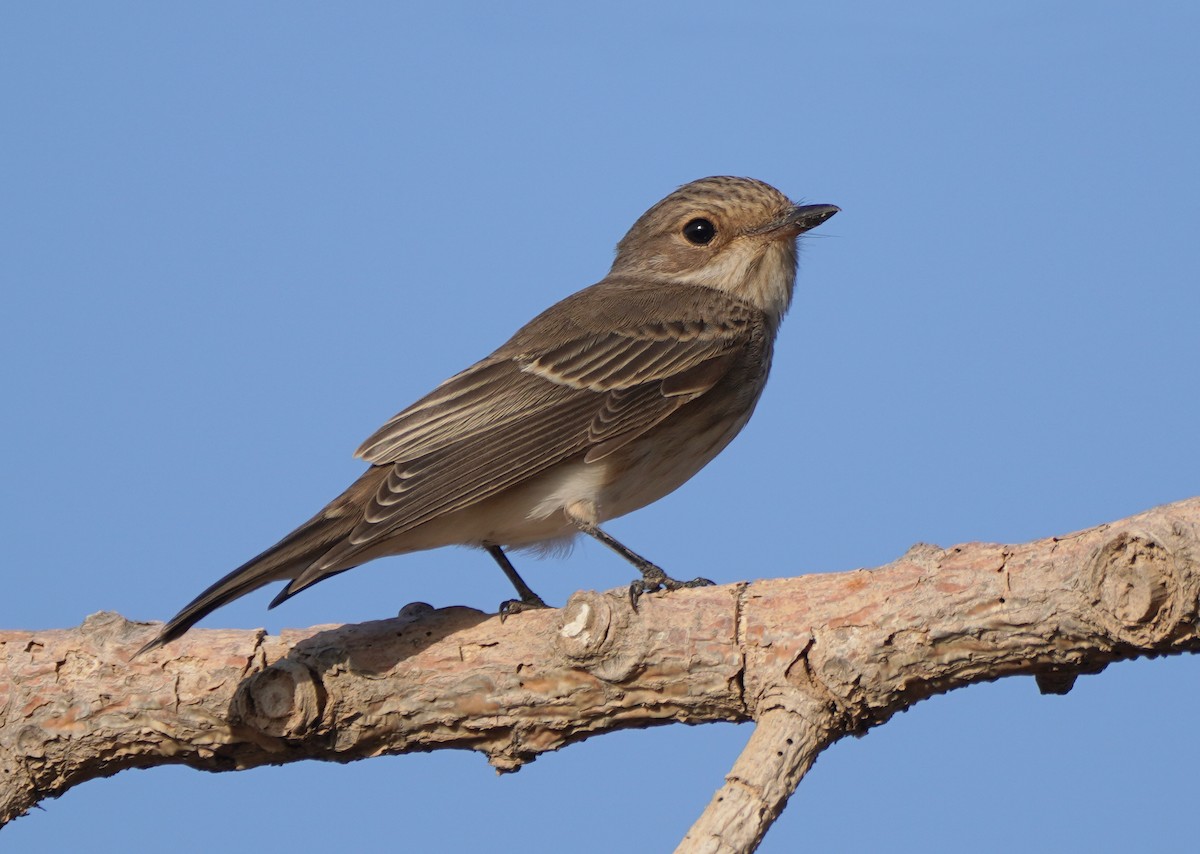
(600, 405)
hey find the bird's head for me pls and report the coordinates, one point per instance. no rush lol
(733, 234)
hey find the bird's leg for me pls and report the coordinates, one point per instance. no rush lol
(529, 600)
(653, 577)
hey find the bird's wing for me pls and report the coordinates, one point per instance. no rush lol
(591, 374)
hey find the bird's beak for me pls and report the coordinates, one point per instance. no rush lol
(803, 218)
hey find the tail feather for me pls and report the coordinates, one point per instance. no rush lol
(303, 581)
(284, 560)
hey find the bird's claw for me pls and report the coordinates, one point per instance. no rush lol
(654, 579)
(515, 606)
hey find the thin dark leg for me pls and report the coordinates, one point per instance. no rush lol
(653, 577)
(529, 600)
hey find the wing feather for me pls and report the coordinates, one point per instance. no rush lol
(607, 375)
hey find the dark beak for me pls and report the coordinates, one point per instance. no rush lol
(805, 217)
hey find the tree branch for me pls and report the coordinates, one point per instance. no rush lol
(811, 659)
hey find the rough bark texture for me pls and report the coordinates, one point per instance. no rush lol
(811, 659)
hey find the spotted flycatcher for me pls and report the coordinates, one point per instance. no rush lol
(597, 407)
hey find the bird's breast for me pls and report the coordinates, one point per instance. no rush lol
(657, 464)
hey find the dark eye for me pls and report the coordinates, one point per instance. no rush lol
(699, 231)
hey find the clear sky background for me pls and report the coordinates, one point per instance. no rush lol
(238, 237)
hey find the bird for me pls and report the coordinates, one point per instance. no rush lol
(602, 404)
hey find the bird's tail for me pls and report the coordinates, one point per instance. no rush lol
(284, 560)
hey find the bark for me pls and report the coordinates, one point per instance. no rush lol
(810, 659)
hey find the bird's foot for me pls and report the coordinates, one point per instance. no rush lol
(654, 579)
(508, 607)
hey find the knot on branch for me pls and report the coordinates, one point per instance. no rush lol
(1139, 587)
(109, 626)
(599, 633)
(283, 701)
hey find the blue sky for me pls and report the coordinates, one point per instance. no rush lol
(237, 237)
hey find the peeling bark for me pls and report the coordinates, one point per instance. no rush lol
(810, 659)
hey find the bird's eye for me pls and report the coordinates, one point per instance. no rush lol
(699, 231)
